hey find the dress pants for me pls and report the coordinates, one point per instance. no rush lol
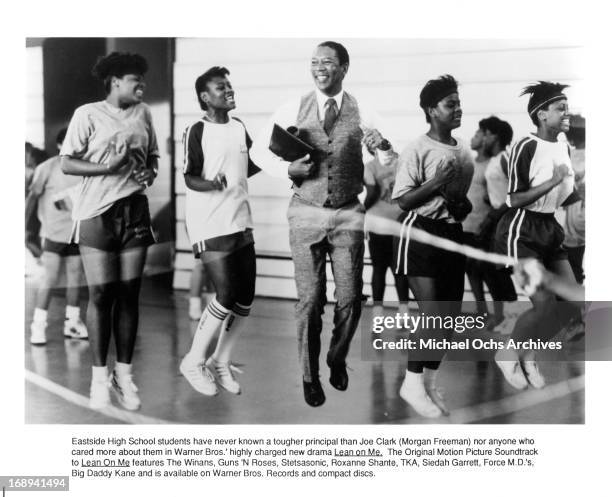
(314, 233)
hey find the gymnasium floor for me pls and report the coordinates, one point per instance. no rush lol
(57, 378)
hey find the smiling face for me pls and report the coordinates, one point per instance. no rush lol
(130, 88)
(326, 70)
(447, 113)
(219, 94)
(557, 116)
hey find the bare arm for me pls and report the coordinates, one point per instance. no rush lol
(146, 175)
(421, 194)
(199, 184)
(32, 225)
(119, 156)
(531, 275)
(521, 199)
(372, 195)
(570, 291)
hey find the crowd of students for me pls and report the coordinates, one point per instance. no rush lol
(94, 217)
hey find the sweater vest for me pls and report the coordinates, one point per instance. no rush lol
(338, 175)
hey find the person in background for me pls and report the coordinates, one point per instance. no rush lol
(487, 194)
(50, 200)
(199, 286)
(379, 181)
(477, 194)
(574, 225)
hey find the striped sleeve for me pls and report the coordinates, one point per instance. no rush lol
(247, 137)
(252, 167)
(193, 156)
(519, 166)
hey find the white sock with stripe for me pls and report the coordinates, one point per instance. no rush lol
(40, 316)
(99, 374)
(231, 332)
(210, 322)
(72, 313)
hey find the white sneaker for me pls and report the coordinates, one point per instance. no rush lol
(38, 335)
(436, 394)
(513, 373)
(75, 329)
(125, 391)
(532, 372)
(416, 396)
(99, 395)
(224, 376)
(198, 376)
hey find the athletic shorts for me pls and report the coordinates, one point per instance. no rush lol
(414, 258)
(381, 249)
(523, 233)
(219, 246)
(59, 248)
(497, 278)
(127, 224)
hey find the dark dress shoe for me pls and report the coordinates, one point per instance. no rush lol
(338, 377)
(313, 393)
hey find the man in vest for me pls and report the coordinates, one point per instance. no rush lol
(325, 216)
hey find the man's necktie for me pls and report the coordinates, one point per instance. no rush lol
(331, 112)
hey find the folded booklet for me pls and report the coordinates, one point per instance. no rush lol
(287, 145)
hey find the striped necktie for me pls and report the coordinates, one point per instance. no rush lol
(331, 112)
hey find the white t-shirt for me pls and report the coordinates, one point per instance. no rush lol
(92, 131)
(55, 191)
(531, 164)
(418, 164)
(497, 179)
(209, 149)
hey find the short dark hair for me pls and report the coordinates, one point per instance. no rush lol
(541, 95)
(61, 135)
(118, 64)
(499, 128)
(204, 79)
(39, 156)
(341, 51)
(505, 134)
(577, 132)
(435, 90)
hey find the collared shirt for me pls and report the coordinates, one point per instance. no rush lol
(286, 116)
(322, 100)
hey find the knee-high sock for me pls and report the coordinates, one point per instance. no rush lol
(231, 332)
(210, 322)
